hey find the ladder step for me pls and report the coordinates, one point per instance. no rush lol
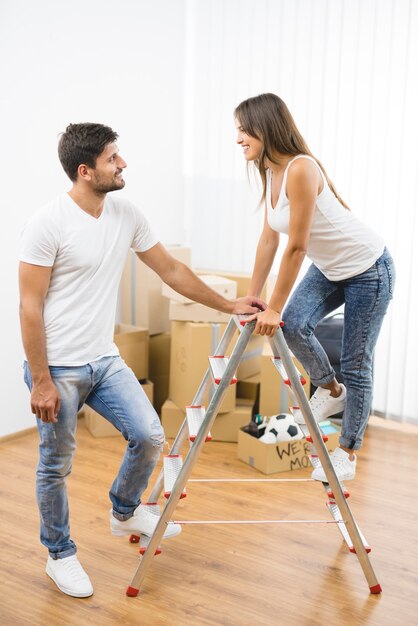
(315, 462)
(144, 540)
(335, 512)
(154, 508)
(278, 364)
(172, 464)
(195, 416)
(144, 543)
(218, 365)
(295, 411)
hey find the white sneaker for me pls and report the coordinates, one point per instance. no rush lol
(323, 405)
(69, 576)
(143, 522)
(344, 468)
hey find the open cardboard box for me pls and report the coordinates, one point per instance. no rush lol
(285, 456)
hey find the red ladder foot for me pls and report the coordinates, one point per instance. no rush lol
(132, 592)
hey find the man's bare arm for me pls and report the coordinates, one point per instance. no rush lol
(33, 285)
(184, 281)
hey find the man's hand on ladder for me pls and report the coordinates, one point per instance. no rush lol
(248, 305)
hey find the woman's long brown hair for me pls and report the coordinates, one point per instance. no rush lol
(267, 118)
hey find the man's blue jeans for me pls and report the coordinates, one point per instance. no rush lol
(366, 298)
(109, 387)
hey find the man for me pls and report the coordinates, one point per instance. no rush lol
(71, 263)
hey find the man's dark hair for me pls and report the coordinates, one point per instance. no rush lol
(83, 143)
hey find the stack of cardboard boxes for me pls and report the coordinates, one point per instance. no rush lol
(166, 339)
(195, 333)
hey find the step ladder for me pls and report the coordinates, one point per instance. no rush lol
(199, 420)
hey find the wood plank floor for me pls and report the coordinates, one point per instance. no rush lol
(295, 574)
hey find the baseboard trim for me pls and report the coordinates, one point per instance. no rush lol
(391, 424)
(18, 435)
(26, 431)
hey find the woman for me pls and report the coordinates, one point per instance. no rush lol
(350, 266)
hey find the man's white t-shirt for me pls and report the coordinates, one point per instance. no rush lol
(87, 256)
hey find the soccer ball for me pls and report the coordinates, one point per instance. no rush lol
(282, 427)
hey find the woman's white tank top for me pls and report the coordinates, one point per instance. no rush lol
(340, 245)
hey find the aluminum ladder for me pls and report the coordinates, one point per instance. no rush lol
(222, 370)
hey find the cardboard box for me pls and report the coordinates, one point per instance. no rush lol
(191, 345)
(221, 285)
(172, 418)
(251, 360)
(159, 367)
(141, 300)
(249, 388)
(225, 428)
(271, 458)
(243, 280)
(98, 426)
(133, 345)
(196, 313)
(274, 394)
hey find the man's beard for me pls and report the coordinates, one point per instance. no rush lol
(102, 187)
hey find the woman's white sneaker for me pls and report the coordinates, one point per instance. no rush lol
(69, 576)
(344, 468)
(323, 404)
(143, 522)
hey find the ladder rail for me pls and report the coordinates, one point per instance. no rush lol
(197, 400)
(280, 347)
(212, 410)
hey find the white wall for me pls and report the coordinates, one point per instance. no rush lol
(119, 63)
(348, 71)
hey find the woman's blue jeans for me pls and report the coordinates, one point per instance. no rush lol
(366, 298)
(109, 387)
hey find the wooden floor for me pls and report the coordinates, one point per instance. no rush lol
(293, 574)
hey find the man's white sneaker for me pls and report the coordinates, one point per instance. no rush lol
(143, 522)
(69, 576)
(323, 405)
(344, 468)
